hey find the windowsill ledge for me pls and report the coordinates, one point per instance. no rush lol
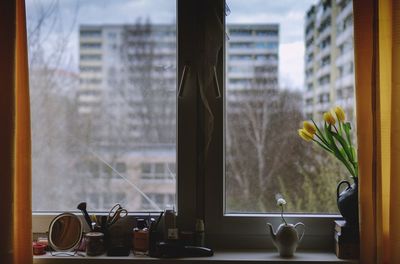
(221, 256)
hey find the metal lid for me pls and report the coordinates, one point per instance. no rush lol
(94, 234)
(141, 223)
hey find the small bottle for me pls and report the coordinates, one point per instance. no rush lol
(141, 238)
(199, 233)
(170, 230)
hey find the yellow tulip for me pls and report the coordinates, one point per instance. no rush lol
(328, 117)
(305, 135)
(341, 116)
(309, 127)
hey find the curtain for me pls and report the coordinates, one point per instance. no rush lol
(15, 148)
(377, 68)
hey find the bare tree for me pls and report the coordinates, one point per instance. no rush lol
(52, 91)
(148, 91)
(265, 156)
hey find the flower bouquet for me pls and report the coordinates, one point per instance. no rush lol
(333, 136)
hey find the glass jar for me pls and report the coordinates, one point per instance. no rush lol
(140, 238)
(94, 243)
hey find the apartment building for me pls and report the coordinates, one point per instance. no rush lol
(329, 58)
(128, 80)
(251, 55)
(252, 59)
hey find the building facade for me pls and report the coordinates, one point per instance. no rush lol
(252, 59)
(127, 92)
(329, 58)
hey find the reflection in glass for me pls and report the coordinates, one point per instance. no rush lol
(102, 86)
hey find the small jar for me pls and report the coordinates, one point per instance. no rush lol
(141, 238)
(94, 243)
(38, 248)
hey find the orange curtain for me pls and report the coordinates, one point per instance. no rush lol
(377, 67)
(15, 146)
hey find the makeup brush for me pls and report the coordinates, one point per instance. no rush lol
(82, 207)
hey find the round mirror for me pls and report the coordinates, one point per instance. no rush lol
(65, 232)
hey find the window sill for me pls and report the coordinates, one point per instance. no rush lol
(221, 256)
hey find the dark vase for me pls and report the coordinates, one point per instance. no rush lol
(347, 201)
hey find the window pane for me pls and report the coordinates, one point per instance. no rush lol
(286, 61)
(102, 84)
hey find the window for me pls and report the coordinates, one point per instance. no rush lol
(90, 33)
(234, 187)
(161, 199)
(84, 57)
(103, 103)
(157, 171)
(325, 61)
(260, 135)
(90, 45)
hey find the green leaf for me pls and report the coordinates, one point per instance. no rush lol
(347, 128)
(324, 147)
(337, 152)
(320, 134)
(346, 148)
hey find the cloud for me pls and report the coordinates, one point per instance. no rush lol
(291, 65)
(288, 13)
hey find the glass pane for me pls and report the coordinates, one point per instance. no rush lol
(286, 61)
(102, 84)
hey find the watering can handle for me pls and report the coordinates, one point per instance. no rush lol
(338, 187)
(304, 229)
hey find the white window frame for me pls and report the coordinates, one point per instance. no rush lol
(200, 189)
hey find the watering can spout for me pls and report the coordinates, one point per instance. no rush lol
(271, 229)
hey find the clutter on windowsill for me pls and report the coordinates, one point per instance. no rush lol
(115, 235)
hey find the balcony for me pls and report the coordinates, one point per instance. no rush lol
(345, 12)
(309, 35)
(309, 94)
(323, 52)
(91, 39)
(252, 38)
(345, 35)
(326, 13)
(323, 87)
(344, 58)
(324, 70)
(322, 35)
(344, 81)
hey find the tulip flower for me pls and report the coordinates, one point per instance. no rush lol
(305, 135)
(309, 127)
(328, 117)
(341, 116)
(334, 139)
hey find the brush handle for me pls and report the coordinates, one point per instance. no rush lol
(87, 218)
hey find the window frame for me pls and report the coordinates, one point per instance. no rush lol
(200, 184)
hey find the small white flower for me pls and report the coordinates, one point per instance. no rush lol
(281, 201)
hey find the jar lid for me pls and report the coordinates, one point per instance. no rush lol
(141, 223)
(94, 234)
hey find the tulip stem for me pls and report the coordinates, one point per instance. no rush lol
(336, 129)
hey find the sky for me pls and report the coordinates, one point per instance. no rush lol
(64, 16)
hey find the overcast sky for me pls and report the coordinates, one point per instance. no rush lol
(67, 14)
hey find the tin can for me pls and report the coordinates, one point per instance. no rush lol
(94, 243)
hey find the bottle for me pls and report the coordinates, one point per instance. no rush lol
(140, 238)
(199, 233)
(170, 230)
